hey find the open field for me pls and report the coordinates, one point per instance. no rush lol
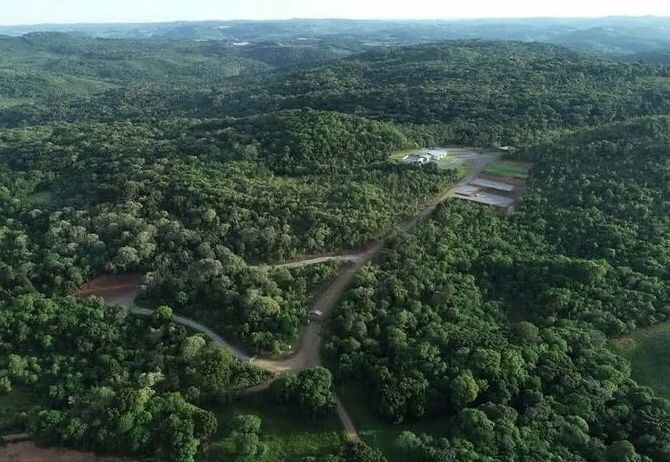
(507, 168)
(378, 433)
(450, 163)
(286, 435)
(648, 351)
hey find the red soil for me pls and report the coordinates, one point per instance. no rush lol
(29, 452)
(121, 289)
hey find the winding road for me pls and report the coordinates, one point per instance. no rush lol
(308, 355)
(345, 257)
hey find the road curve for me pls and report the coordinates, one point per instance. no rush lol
(346, 257)
(308, 355)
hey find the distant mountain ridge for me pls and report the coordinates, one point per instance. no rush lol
(613, 35)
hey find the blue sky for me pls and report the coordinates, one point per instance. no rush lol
(69, 11)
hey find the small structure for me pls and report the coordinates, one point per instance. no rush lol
(466, 191)
(419, 159)
(487, 192)
(316, 314)
(493, 200)
(436, 155)
(425, 156)
(495, 185)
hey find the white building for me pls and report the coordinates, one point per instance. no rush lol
(424, 157)
(436, 155)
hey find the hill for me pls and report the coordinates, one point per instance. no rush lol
(478, 92)
(231, 178)
(614, 35)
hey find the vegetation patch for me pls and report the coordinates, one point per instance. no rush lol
(286, 435)
(400, 154)
(379, 433)
(648, 351)
(423, 329)
(507, 168)
(13, 404)
(7, 102)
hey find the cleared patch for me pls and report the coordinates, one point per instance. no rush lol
(120, 289)
(28, 451)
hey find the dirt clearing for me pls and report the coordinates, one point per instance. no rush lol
(29, 452)
(118, 289)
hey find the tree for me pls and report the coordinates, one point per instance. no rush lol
(245, 431)
(311, 390)
(5, 385)
(464, 390)
(360, 452)
(622, 451)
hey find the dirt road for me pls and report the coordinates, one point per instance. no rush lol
(308, 355)
(345, 257)
(209, 333)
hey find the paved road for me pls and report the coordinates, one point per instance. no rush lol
(308, 355)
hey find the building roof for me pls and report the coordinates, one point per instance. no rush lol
(490, 184)
(466, 190)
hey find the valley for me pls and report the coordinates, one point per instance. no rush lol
(358, 246)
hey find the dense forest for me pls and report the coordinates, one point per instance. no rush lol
(501, 323)
(616, 36)
(114, 382)
(472, 92)
(200, 163)
(190, 202)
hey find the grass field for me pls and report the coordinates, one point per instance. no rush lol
(648, 351)
(7, 102)
(286, 435)
(398, 155)
(11, 405)
(508, 169)
(378, 433)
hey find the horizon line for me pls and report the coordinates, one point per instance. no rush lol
(399, 19)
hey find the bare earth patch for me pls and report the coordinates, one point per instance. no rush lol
(29, 452)
(118, 289)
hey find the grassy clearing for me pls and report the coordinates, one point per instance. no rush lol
(82, 85)
(42, 198)
(378, 433)
(398, 155)
(7, 102)
(12, 405)
(286, 435)
(648, 351)
(508, 169)
(452, 163)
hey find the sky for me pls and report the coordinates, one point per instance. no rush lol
(15, 12)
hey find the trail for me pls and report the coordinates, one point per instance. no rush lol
(308, 355)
